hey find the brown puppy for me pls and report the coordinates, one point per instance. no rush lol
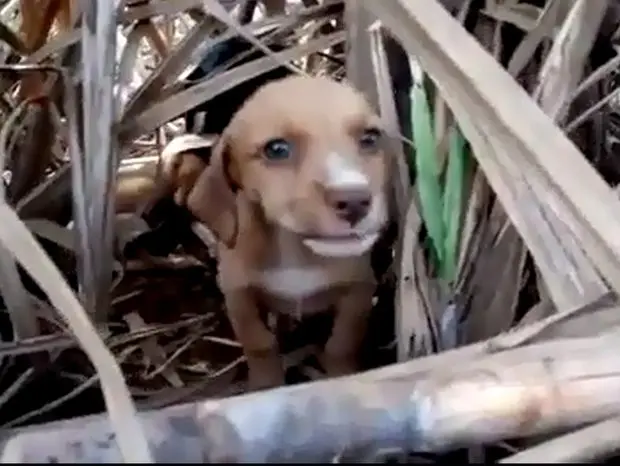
(182, 164)
(140, 185)
(295, 193)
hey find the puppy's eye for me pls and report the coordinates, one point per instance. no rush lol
(277, 149)
(370, 139)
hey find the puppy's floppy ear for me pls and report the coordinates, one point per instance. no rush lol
(212, 199)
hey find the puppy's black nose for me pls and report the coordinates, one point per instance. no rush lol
(351, 205)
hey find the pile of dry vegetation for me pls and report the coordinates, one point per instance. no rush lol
(506, 252)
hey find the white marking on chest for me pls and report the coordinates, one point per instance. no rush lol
(293, 282)
(342, 173)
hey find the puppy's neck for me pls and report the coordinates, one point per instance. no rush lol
(288, 247)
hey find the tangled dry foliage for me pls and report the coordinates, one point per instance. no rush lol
(525, 332)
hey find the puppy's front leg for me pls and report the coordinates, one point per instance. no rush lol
(259, 344)
(350, 323)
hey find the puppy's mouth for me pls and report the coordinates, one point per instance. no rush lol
(350, 245)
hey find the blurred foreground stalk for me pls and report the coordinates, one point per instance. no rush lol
(93, 176)
(440, 402)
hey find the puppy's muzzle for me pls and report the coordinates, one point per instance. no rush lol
(350, 204)
(358, 208)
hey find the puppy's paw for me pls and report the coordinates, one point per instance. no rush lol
(265, 372)
(337, 365)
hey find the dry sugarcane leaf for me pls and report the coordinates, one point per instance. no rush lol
(602, 72)
(489, 305)
(473, 230)
(383, 92)
(493, 302)
(95, 174)
(48, 199)
(574, 253)
(51, 199)
(564, 65)
(512, 126)
(128, 63)
(443, 118)
(219, 12)
(53, 232)
(558, 79)
(14, 294)
(155, 38)
(12, 40)
(592, 319)
(34, 154)
(415, 332)
(358, 44)
(544, 28)
(541, 310)
(56, 44)
(193, 47)
(522, 15)
(161, 112)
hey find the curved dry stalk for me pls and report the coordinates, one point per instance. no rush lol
(15, 296)
(15, 237)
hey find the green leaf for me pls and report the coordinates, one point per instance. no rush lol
(453, 203)
(428, 176)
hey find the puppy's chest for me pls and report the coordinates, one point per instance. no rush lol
(296, 289)
(294, 282)
(295, 286)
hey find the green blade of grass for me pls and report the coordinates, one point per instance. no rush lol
(453, 203)
(427, 168)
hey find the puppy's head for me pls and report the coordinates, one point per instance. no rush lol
(308, 152)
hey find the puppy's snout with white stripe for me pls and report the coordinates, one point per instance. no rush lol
(347, 188)
(344, 173)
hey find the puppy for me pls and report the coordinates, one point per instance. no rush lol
(182, 161)
(295, 194)
(159, 196)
